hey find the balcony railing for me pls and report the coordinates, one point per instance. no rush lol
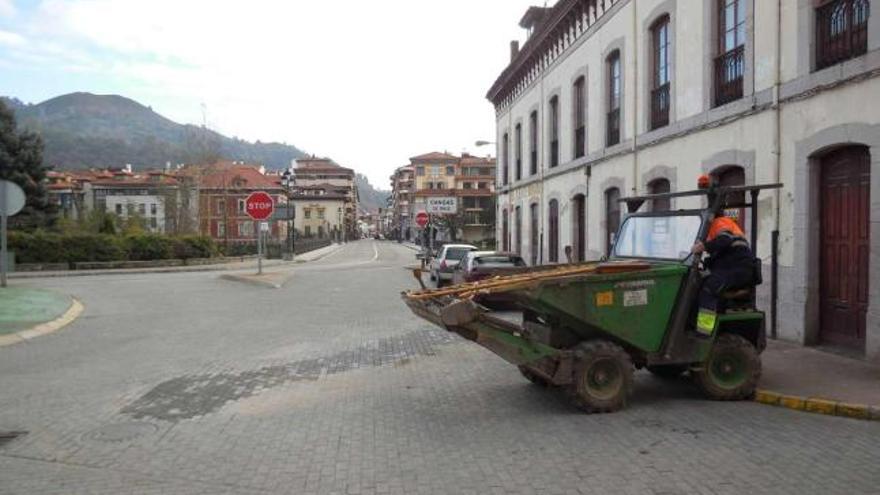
(729, 69)
(613, 123)
(841, 31)
(660, 106)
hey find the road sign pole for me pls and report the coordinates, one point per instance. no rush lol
(4, 255)
(259, 248)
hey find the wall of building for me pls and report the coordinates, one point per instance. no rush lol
(817, 111)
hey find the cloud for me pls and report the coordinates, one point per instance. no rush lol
(11, 39)
(7, 9)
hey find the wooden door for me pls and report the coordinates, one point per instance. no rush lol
(845, 246)
(580, 227)
(734, 176)
(612, 217)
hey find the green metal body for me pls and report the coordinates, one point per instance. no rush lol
(632, 307)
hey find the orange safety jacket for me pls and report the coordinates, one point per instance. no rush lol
(724, 224)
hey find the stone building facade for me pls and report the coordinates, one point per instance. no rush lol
(609, 98)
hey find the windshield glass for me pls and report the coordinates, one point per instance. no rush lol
(658, 237)
(456, 254)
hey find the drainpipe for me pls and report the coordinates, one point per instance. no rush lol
(635, 91)
(777, 155)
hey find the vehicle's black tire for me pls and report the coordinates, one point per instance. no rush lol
(432, 277)
(668, 371)
(732, 370)
(603, 377)
(532, 376)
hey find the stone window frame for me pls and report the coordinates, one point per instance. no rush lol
(664, 8)
(604, 187)
(555, 93)
(710, 51)
(579, 75)
(619, 45)
(806, 36)
(661, 172)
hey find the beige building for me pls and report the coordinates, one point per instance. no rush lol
(470, 180)
(325, 199)
(609, 98)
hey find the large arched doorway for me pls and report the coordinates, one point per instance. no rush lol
(844, 245)
(579, 227)
(612, 217)
(733, 175)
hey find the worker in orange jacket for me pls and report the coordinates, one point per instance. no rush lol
(730, 266)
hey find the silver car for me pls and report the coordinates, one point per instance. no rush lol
(444, 263)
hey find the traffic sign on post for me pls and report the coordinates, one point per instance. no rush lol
(421, 219)
(12, 200)
(259, 206)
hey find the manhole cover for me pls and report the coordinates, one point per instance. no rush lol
(121, 432)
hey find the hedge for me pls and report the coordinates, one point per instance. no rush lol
(44, 247)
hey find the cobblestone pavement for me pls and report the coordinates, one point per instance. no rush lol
(186, 383)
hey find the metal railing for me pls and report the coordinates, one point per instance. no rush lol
(660, 106)
(613, 125)
(729, 69)
(841, 31)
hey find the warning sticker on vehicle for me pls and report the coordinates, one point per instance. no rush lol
(605, 298)
(635, 298)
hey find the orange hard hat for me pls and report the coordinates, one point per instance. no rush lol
(704, 181)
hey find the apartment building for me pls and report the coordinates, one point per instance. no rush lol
(609, 98)
(470, 180)
(326, 198)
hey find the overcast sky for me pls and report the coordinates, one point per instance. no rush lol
(368, 83)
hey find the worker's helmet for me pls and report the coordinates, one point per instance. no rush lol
(704, 182)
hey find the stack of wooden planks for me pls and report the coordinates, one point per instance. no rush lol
(525, 280)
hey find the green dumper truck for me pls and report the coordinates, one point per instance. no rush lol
(586, 327)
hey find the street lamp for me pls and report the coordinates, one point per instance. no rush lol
(287, 181)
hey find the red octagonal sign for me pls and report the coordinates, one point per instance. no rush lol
(421, 219)
(259, 205)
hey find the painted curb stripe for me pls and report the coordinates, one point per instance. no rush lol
(76, 308)
(818, 406)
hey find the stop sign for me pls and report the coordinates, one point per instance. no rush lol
(259, 205)
(421, 219)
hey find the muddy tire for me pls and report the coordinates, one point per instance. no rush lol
(532, 376)
(668, 371)
(603, 377)
(732, 370)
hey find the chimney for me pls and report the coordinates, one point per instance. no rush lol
(514, 50)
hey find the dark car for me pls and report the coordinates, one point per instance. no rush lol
(478, 265)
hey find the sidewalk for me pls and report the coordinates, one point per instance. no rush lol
(808, 379)
(26, 313)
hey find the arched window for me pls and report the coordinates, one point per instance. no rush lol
(733, 175)
(553, 224)
(612, 217)
(659, 186)
(505, 231)
(517, 151)
(554, 131)
(731, 60)
(579, 227)
(615, 95)
(505, 160)
(660, 94)
(518, 227)
(533, 143)
(580, 117)
(533, 234)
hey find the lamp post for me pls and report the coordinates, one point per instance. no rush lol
(287, 181)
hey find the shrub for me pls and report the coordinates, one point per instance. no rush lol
(92, 247)
(149, 247)
(194, 247)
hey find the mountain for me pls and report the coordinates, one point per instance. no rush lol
(82, 130)
(371, 199)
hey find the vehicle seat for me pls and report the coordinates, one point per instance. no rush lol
(737, 299)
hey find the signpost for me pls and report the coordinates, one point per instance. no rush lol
(442, 206)
(259, 206)
(11, 202)
(421, 219)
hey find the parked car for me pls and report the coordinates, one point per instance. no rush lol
(446, 260)
(478, 265)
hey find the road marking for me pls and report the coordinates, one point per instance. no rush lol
(375, 252)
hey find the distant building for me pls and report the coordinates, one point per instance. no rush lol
(470, 180)
(223, 190)
(325, 197)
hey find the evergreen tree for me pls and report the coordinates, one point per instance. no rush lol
(21, 162)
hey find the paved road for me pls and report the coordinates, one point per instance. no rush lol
(185, 383)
